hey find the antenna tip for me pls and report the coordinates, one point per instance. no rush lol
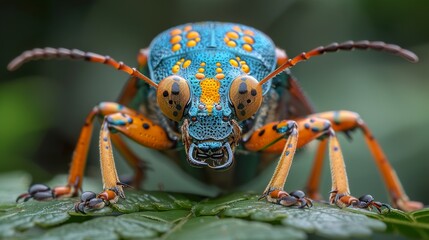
(13, 65)
(410, 56)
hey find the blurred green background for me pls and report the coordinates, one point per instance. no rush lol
(43, 105)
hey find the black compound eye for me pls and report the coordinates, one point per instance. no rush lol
(173, 95)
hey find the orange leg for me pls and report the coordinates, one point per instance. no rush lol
(142, 130)
(136, 127)
(312, 188)
(80, 153)
(346, 121)
(280, 137)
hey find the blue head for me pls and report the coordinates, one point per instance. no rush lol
(208, 87)
(209, 96)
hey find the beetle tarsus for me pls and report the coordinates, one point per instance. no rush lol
(368, 202)
(39, 192)
(295, 198)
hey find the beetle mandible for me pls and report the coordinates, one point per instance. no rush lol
(219, 86)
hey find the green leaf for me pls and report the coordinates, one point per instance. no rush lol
(13, 184)
(323, 220)
(163, 215)
(32, 213)
(211, 227)
(128, 226)
(162, 201)
(415, 224)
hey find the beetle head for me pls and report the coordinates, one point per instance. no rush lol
(209, 109)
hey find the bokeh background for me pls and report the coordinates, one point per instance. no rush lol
(43, 105)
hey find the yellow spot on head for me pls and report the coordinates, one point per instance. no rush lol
(176, 47)
(218, 64)
(197, 39)
(175, 32)
(202, 64)
(188, 28)
(248, 39)
(232, 35)
(233, 62)
(175, 39)
(200, 75)
(236, 28)
(249, 32)
(192, 35)
(220, 76)
(186, 63)
(182, 60)
(201, 70)
(231, 43)
(247, 47)
(218, 70)
(226, 39)
(191, 43)
(210, 93)
(175, 68)
(245, 68)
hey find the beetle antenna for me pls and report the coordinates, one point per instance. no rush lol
(63, 53)
(347, 46)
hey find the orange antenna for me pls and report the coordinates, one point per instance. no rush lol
(345, 46)
(63, 53)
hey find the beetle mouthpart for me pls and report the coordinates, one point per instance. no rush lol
(219, 160)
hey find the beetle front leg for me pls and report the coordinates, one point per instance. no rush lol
(136, 127)
(287, 131)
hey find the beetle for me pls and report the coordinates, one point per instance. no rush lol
(213, 88)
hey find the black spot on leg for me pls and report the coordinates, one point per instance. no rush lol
(146, 126)
(243, 112)
(275, 127)
(175, 89)
(261, 132)
(170, 102)
(249, 101)
(179, 107)
(242, 89)
(165, 93)
(175, 113)
(240, 106)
